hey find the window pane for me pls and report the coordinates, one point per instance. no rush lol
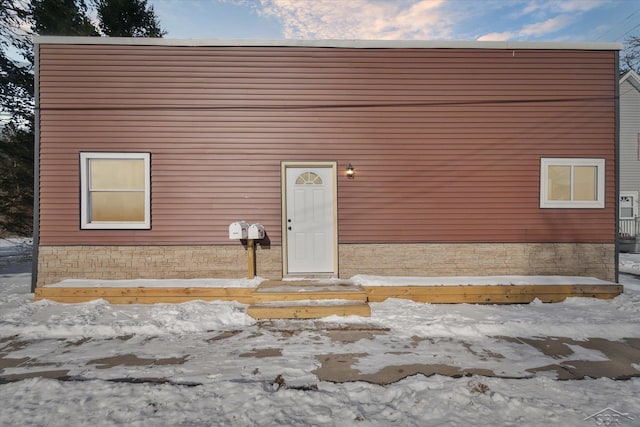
(117, 206)
(559, 182)
(585, 183)
(116, 174)
(626, 212)
(309, 178)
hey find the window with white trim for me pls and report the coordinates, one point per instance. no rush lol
(115, 190)
(572, 183)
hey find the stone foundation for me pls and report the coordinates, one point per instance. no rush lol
(56, 263)
(479, 259)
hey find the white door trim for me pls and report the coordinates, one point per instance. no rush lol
(283, 179)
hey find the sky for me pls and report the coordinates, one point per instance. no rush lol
(462, 20)
(491, 20)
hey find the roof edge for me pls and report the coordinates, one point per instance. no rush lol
(358, 44)
(632, 76)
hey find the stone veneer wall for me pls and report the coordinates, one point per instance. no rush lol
(479, 259)
(56, 263)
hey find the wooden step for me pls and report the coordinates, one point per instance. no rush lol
(307, 309)
(283, 291)
(277, 299)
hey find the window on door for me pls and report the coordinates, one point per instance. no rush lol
(572, 183)
(115, 190)
(628, 204)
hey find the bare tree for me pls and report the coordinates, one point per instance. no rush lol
(630, 55)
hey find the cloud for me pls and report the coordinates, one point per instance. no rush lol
(549, 26)
(537, 29)
(579, 5)
(360, 19)
(496, 37)
(552, 16)
(564, 6)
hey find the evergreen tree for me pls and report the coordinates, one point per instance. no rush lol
(128, 18)
(16, 179)
(61, 18)
(16, 79)
(16, 132)
(43, 17)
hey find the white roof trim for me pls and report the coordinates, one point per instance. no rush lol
(633, 78)
(359, 44)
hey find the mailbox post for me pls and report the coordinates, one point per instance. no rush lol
(241, 230)
(251, 258)
(256, 232)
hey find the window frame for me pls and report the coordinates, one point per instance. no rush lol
(545, 203)
(85, 198)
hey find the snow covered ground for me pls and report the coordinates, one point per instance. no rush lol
(208, 363)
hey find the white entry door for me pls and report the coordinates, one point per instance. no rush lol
(309, 218)
(628, 212)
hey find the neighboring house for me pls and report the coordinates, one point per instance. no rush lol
(469, 158)
(629, 161)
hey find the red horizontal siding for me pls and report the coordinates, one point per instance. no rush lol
(446, 142)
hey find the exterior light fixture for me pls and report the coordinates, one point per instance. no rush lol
(350, 171)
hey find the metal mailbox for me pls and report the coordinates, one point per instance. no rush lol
(238, 230)
(256, 231)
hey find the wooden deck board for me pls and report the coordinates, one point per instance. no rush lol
(266, 285)
(144, 295)
(491, 294)
(274, 290)
(297, 296)
(285, 311)
(485, 294)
